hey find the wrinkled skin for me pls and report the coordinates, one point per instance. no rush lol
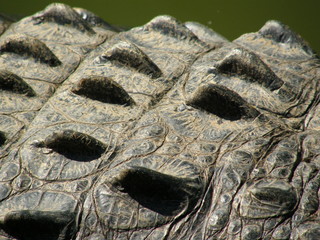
(165, 131)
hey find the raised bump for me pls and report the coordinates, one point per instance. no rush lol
(29, 46)
(104, 90)
(169, 26)
(74, 145)
(12, 82)
(281, 33)
(63, 15)
(131, 56)
(222, 102)
(250, 67)
(205, 34)
(268, 198)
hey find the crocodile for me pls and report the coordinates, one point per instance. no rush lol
(163, 131)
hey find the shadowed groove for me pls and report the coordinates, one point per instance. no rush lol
(222, 102)
(74, 145)
(39, 225)
(250, 67)
(131, 56)
(13, 83)
(159, 192)
(104, 90)
(2, 138)
(31, 47)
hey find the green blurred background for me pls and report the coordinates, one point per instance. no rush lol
(231, 18)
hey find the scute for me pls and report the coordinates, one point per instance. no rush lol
(131, 56)
(268, 199)
(22, 215)
(15, 84)
(222, 102)
(24, 45)
(206, 34)
(243, 63)
(74, 145)
(62, 15)
(104, 90)
(282, 34)
(168, 25)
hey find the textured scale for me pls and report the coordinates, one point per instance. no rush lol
(164, 131)
(242, 63)
(30, 47)
(129, 55)
(62, 15)
(104, 90)
(15, 84)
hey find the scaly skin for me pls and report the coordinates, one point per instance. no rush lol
(164, 131)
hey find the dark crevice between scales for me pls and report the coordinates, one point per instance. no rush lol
(222, 102)
(2, 138)
(39, 225)
(74, 145)
(28, 46)
(129, 55)
(13, 83)
(161, 193)
(104, 90)
(249, 67)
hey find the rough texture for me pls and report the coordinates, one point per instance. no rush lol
(164, 131)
